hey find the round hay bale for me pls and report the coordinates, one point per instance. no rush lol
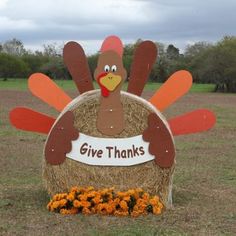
(149, 176)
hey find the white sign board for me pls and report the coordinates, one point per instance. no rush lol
(110, 151)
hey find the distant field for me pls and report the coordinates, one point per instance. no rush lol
(21, 84)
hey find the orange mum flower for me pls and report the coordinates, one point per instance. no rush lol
(136, 213)
(101, 208)
(121, 213)
(116, 201)
(86, 211)
(123, 205)
(133, 202)
(156, 210)
(70, 197)
(145, 196)
(55, 205)
(83, 197)
(85, 204)
(154, 201)
(63, 202)
(126, 198)
(97, 200)
(131, 192)
(71, 211)
(74, 189)
(91, 194)
(110, 208)
(76, 203)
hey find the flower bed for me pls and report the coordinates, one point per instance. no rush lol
(133, 202)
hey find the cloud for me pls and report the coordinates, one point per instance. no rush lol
(3, 3)
(7, 24)
(38, 22)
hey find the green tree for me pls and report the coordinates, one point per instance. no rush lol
(35, 61)
(172, 52)
(92, 61)
(221, 65)
(215, 64)
(11, 66)
(128, 54)
(55, 69)
(194, 58)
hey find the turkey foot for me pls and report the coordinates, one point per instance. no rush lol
(160, 141)
(59, 140)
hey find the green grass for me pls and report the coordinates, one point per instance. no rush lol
(204, 187)
(21, 84)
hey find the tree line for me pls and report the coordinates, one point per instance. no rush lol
(208, 62)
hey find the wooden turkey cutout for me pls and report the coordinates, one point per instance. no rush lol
(110, 75)
(155, 142)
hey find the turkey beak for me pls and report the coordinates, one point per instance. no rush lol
(110, 81)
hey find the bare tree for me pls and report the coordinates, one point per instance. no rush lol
(13, 47)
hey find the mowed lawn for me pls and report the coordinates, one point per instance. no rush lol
(204, 194)
(21, 84)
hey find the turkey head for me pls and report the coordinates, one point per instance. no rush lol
(110, 75)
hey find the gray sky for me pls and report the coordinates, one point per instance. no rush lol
(180, 22)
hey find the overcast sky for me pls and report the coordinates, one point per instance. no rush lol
(180, 22)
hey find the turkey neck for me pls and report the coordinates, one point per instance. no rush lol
(110, 119)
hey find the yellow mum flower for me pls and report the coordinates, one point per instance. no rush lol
(90, 188)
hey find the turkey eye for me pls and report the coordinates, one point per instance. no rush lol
(114, 68)
(106, 68)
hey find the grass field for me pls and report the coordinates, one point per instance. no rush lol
(204, 194)
(21, 84)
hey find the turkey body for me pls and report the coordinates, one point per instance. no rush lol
(148, 175)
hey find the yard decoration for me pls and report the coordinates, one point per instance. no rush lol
(87, 201)
(108, 137)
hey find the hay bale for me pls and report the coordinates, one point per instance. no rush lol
(149, 176)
